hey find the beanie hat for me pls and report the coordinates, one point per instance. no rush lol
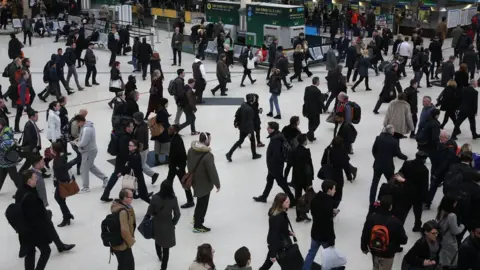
(138, 116)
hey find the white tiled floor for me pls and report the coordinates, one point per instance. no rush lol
(233, 216)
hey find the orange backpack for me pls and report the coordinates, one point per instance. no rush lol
(379, 238)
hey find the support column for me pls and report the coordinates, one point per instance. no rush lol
(243, 3)
(26, 8)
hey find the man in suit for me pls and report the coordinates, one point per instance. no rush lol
(31, 141)
(385, 148)
(468, 109)
(342, 45)
(272, 52)
(448, 70)
(313, 106)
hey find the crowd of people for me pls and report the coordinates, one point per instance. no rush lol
(443, 243)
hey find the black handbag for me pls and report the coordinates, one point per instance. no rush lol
(146, 227)
(290, 257)
(326, 171)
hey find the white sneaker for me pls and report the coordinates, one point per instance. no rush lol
(105, 182)
(85, 190)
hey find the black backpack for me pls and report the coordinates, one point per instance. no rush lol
(6, 71)
(112, 148)
(67, 129)
(14, 215)
(452, 181)
(356, 112)
(111, 229)
(46, 72)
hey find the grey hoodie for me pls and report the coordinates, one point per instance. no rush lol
(87, 141)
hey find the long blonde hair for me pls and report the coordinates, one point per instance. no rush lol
(299, 48)
(277, 206)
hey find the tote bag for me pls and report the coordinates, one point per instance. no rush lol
(129, 181)
(291, 258)
(116, 84)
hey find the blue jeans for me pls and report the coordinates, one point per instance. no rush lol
(274, 100)
(312, 252)
(134, 63)
(418, 76)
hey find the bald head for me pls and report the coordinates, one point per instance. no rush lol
(444, 136)
(83, 112)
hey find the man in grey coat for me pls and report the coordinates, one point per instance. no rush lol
(456, 33)
(87, 146)
(244, 119)
(201, 162)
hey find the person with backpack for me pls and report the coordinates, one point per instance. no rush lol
(118, 230)
(175, 88)
(382, 235)
(187, 101)
(244, 121)
(277, 152)
(201, 164)
(118, 147)
(424, 254)
(87, 146)
(141, 134)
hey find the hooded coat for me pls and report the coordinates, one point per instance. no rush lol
(163, 222)
(206, 176)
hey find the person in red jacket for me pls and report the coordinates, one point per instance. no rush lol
(23, 100)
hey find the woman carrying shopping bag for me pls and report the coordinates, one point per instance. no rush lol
(133, 167)
(248, 62)
(116, 83)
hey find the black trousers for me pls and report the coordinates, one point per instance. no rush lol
(175, 52)
(331, 97)
(78, 158)
(313, 123)
(222, 86)
(378, 104)
(62, 202)
(45, 252)
(163, 255)
(298, 193)
(458, 123)
(229, 55)
(270, 66)
(125, 259)
(18, 115)
(415, 121)
(449, 114)
(12, 172)
(281, 182)
(119, 167)
(199, 88)
(360, 80)
(144, 69)
(29, 35)
(179, 171)
(201, 50)
(91, 70)
(189, 120)
(201, 210)
(242, 137)
(246, 72)
(113, 57)
(349, 72)
(375, 181)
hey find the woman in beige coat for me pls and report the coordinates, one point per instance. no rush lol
(399, 116)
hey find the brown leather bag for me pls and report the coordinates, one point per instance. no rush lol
(68, 189)
(156, 129)
(187, 179)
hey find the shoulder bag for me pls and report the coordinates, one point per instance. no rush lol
(129, 181)
(187, 179)
(290, 257)
(68, 189)
(326, 171)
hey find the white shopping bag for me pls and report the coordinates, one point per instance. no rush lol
(331, 258)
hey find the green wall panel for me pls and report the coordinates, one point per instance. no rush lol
(227, 12)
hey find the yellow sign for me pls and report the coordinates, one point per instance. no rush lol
(167, 13)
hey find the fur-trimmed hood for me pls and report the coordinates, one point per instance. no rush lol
(200, 147)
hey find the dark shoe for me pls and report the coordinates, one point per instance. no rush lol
(223, 94)
(242, 85)
(188, 205)
(80, 88)
(260, 199)
(154, 178)
(354, 171)
(213, 92)
(174, 64)
(229, 157)
(417, 228)
(270, 114)
(70, 92)
(253, 81)
(201, 229)
(368, 89)
(400, 249)
(46, 175)
(278, 116)
(103, 199)
(300, 219)
(43, 99)
(353, 89)
(291, 184)
(429, 86)
(22, 252)
(289, 87)
(86, 85)
(66, 247)
(78, 172)
(260, 144)
(95, 83)
(476, 136)
(64, 223)
(256, 156)
(375, 112)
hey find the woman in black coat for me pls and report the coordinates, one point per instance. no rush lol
(156, 92)
(461, 76)
(278, 230)
(291, 133)
(162, 205)
(155, 64)
(178, 161)
(162, 142)
(298, 57)
(116, 82)
(61, 173)
(363, 65)
(335, 85)
(449, 101)
(302, 173)
(132, 105)
(336, 157)
(436, 56)
(425, 252)
(134, 167)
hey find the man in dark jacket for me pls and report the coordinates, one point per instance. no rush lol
(383, 252)
(244, 121)
(312, 107)
(436, 56)
(470, 58)
(186, 100)
(70, 59)
(334, 83)
(463, 44)
(60, 64)
(351, 59)
(275, 163)
(122, 141)
(384, 149)
(469, 252)
(272, 51)
(141, 135)
(411, 93)
(342, 45)
(323, 212)
(223, 76)
(90, 63)
(113, 39)
(415, 174)
(389, 85)
(448, 71)
(14, 47)
(176, 44)
(144, 55)
(468, 110)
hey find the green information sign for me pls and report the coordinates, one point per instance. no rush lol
(227, 12)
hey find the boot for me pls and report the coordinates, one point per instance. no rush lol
(243, 79)
(66, 221)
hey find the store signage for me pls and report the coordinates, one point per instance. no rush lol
(222, 7)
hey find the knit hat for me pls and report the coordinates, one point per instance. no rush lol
(138, 116)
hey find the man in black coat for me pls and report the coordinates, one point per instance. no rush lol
(384, 149)
(14, 47)
(334, 83)
(351, 60)
(113, 40)
(60, 64)
(282, 65)
(346, 131)
(469, 252)
(244, 121)
(463, 44)
(312, 107)
(275, 162)
(342, 45)
(468, 110)
(31, 141)
(415, 174)
(272, 51)
(144, 55)
(470, 58)
(323, 212)
(123, 138)
(448, 71)
(411, 93)
(388, 91)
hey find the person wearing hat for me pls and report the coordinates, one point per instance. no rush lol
(416, 175)
(140, 134)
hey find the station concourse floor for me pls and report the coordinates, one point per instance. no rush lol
(236, 220)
